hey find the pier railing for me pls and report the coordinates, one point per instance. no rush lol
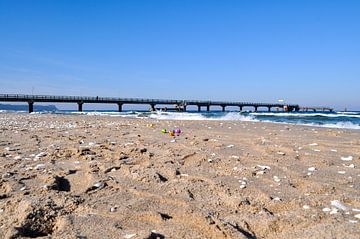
(180, 104)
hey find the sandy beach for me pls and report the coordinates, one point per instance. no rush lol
(66, 176)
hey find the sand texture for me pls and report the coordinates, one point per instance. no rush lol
(66, 176)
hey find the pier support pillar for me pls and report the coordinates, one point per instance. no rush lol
(31, 106)
(152, 107)
(255, 108)
(184, 108)
(208, 108)
(240, 108)
(120, 107)
(80, 104)
(199, 108)
(223, 108)
(269, 109)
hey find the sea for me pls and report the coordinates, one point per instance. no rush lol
(340, 120)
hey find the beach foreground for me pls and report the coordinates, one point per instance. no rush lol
(69, 176)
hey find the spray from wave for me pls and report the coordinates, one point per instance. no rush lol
(342, 120)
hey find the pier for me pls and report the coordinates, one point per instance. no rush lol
(178, 105)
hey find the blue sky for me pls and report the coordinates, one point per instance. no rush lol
(305, 52)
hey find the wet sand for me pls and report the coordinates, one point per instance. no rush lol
(82, 176)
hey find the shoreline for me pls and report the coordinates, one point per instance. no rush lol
(116, 177)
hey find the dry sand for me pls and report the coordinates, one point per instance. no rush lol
(111, 177)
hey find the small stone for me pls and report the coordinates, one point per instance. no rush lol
(242, 186)
(113, 209)
(357, 216)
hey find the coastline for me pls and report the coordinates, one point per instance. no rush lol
(114, 177)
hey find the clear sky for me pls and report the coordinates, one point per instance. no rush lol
(305, 52)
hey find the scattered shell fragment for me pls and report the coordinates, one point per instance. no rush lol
(326, 209)
(230, 146)
(306, 207)
(313, 144)
(341, 172)
(357, 216)
(334, 211)
(39, 166)
(338, 204)
(347, 158)
(99, 184)
(276, 179)
(129, 236)
(263, 167)
(312, 169)
(281, 153)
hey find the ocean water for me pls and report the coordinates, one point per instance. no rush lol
(341, 120)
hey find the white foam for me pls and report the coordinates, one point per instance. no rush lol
(331, 115)
(198, 116)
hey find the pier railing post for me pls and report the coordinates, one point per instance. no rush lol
(31, 106)
(80, 106)
(120, 107)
